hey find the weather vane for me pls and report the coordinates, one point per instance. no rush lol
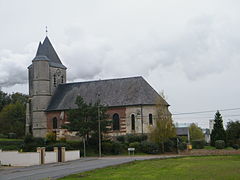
(46, 31)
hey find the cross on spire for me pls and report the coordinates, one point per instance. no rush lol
(46, 31)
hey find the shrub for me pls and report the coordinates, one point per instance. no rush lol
(198, 144)
(219, 144)
(12, 135)
(11, 145)
(117, 148)
(50, 147)
(135, 145)
(121, 139)
(136, 138)
(31, 143)
(107, 147)
(235, 146)
(149, 147)
(76, 145)
(51, 137)
(169, 146)
(10, 148)
(182, 146)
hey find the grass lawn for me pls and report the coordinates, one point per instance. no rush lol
(204, 167)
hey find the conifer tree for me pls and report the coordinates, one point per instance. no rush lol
(218, 132)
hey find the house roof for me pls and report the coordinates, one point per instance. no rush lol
(47, 52)
(182, 131)
(112, 92)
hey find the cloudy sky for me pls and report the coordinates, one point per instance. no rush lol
(190, 49)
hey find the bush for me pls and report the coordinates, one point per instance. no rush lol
(235, 146)
(135, 145)
(136, 138)
(182, 146)
(198, 144)
(121, 139)
(50, 147)
(75, 145)
(107, 147)
(31, 143)
(10, 148)
(11, 145)
(219, 144)
(169, 146)
(149, 147)
(51, 137)
(112, 147)
(12, 135)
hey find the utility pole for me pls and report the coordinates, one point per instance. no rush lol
(99, 128)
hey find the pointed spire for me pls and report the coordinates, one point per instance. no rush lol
(46, 52)
(39, 50)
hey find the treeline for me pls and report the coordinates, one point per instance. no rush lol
(12, 114)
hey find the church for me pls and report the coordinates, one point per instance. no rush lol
(131, 101)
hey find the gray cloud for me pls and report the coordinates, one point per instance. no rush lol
(13, 68)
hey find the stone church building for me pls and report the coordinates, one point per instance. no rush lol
(131, 101)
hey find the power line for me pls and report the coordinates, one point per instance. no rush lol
(202, 112)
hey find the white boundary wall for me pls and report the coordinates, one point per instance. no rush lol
(72, 155)
(50, 157)
(14, 158)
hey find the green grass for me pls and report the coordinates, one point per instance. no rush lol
(192, 168)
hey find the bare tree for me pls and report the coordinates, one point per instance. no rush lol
(164, 127)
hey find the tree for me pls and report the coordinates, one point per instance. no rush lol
(195, 132)
(233, 133)
(84, 119)
(5, 99)
(12, 119)
(218, 132)
(164, 128)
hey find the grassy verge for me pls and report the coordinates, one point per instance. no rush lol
(205, 167)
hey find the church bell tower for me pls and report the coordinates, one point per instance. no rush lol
(45, 73)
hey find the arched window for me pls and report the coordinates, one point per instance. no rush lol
(54, 80)
(62, 79)
(133, 121)
(116, 122)
(54, 123)
(150, 119)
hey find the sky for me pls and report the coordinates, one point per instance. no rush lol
(188, 49)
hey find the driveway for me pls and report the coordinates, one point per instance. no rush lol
(57, 170)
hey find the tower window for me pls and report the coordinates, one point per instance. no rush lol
(62, 79)
(54, 80)
(150, 119)
(116, 122)
(133, 121)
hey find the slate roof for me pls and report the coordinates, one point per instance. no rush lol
(113, 93)
(47, 52)
(182, 131)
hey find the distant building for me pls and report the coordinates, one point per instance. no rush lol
(207, 134)
(183, 131)
(211, 124)
(131, 100)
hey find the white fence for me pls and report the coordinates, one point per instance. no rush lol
(15, 158)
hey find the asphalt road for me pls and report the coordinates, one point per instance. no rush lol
(57, 170)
